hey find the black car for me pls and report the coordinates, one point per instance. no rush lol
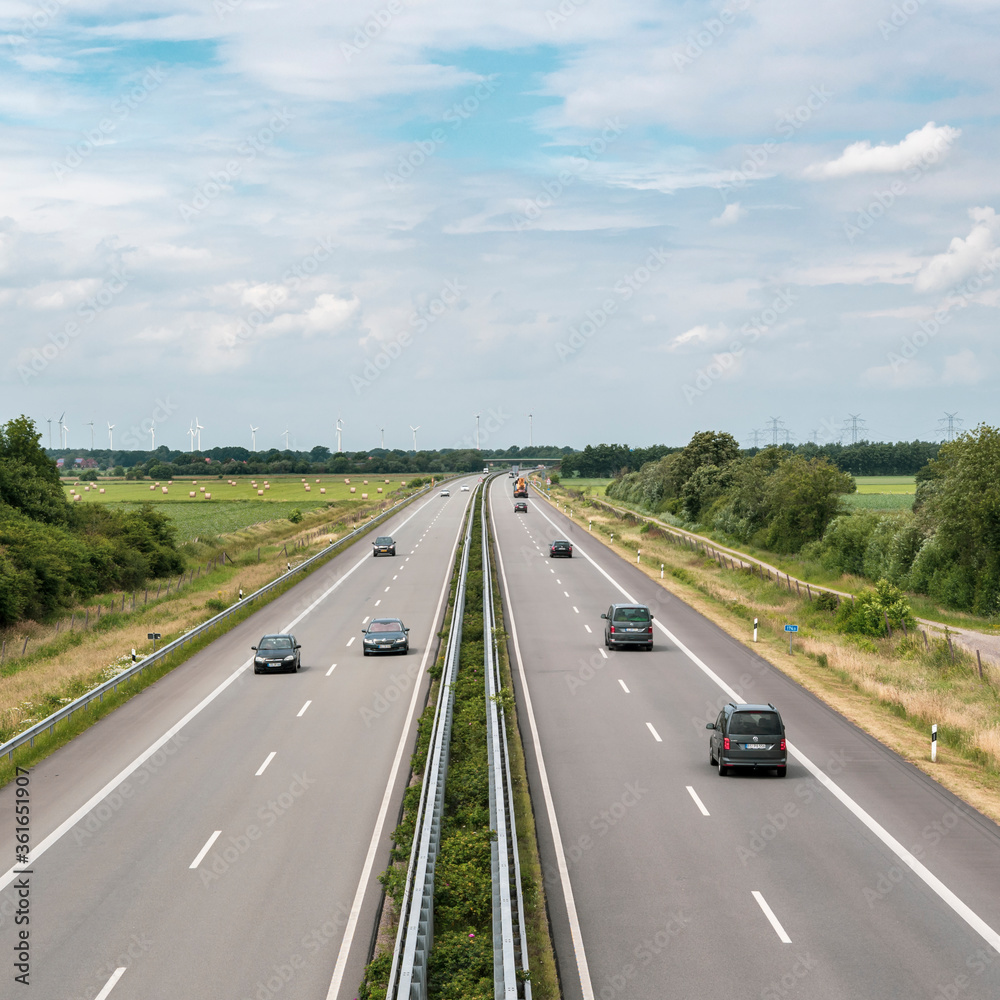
(279, 653)
(561, 547)
(520, 507)
(628, 625)
(383, 546)
(748, 736)
(385, 635)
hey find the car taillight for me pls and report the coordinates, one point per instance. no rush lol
(782, 744)
(725, 742)
(612, 630)
(650, 630)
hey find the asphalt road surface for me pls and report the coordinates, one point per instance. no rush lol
(220, 835)
(856, 876)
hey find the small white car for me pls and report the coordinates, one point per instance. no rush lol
(445, 493)
(465, 489)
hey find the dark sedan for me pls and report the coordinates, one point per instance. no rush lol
(278, 653)
(520, 507)
(561, 547)
(385, 635)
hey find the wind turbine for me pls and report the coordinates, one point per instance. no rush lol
(253, 437)
(62, 430)
(340, 431)
(286, 439)
(381, 431)
(198, 429)
(152, 435)
(530, 418)
(191, 438)
(91, 425)
(49, 421)
(414, 429)
(477, 432)
(111, 436)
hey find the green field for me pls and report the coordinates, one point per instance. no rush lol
(232, 508)
(589, 487)
(886, 484)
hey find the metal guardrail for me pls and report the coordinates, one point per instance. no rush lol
(49, 723)
(415, 933)
(510, 959)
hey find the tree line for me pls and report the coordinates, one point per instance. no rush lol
(790, 501)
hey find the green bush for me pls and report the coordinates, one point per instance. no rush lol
(295, 516)
(866, 614)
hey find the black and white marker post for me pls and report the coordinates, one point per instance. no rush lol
(755, 630)
(934, 743)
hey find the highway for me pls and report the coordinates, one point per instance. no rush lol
(854, 877)
(220, 835)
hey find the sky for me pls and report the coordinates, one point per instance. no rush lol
(633, 220)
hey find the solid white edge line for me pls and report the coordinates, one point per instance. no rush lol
(624, 686)
(960, 908)
(769, 913)
(110, 984)
(302, 710)
(359, 896)
(98, 797)
(656, 735)
(697, 800)
(580, 952)
(208, 846)
(331, 670)
(267, 760)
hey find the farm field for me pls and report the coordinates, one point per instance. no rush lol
(233, 508)
(886, 484)
(589, 487)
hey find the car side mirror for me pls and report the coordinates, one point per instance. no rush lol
(651, 617)
(710, 725)
(604, 616)
(298, 645)
(406, 630)
(254, 648)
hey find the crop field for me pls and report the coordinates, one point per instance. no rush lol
(589, 487)
(879, 501)
(232, 508)
(886, 484)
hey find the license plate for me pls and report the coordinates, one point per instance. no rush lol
(756, 746)
(386, 645)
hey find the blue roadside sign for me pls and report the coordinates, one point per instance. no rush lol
(791, 628)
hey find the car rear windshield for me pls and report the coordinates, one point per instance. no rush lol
(384, 627)
(383, 540)
(632, 615)
(275, 642)
(755, 724)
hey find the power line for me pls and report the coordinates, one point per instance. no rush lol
(949, 425)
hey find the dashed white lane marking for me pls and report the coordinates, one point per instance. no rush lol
(302, 710)
(377, 603)
(396, 577)
(208, 846)
(267, 760)
(364, 621)
(331, 670)
(110, 984)
(624, 686)
(589, 629)
(697, 801)
(656, 735)
(350, 641)
(769, 913)
(601, 651)
(575, 608)
(386, 591)
(565, 593)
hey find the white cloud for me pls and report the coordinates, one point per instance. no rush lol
(731, 214)
(922, 147)
(701, 336)
(963, 368)
(963, 256)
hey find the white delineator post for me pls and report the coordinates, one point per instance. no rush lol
(638, 555)
(934, 743)
(755, 630)
(661, 571)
